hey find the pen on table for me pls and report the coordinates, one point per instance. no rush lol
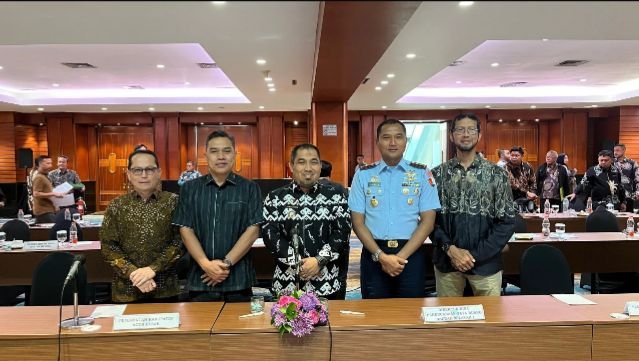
(347, 312)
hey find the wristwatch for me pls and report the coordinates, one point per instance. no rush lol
(445, 247)
(228, 263)
(375, 256)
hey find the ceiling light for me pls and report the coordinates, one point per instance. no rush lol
(378, 88)
(200, 108)
(261, 107)
(410, 56)
(201, 123)
(533, 106)
(594, 105)
(55, 85)
(442, 106)
(537, 120)
(160, 66)
(40, 109)
(218, 2)
(1, 67)
(384, 82)
(494, 65)
(544, 39)
(270, 85)
(390, 76)
(458, 82)
(187, 83)
(103, 108)
(583, 80)
(518, 120)
(272, 89)
(501, 120)
(267, 75)
(466, 3)
(487, 106)
(260, 61)
(151, 108)
(384, 107)
(295, 122)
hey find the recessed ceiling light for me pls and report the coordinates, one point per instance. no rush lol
(378, 88)
(494, 65)
(384, 82)
(487, 106)
(272, 89)
(458, 82)
(261, 107)
(544, 39)
(187, 83)
(151, 108)
(533, 106)
(390, 76)
(537, 120)
(594, 105)
(295, 122)
(55, 85)
(466, 3)
(268, 78)
(518, 120)
(200, 108)
(442, 106)
(267, 75)
(384, 107)
(270, 85)
(201, 123)
(501, 120)
(1, 67)
(104, 108)
(218, 2)
(583, 80)
(40, 109)
(160, 66)
(260, 61)
(411, 56)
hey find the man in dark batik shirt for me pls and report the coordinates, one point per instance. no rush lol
(476, 219)
(629, 175)
(521, 177)
(553, 181)
(602, 183)
(308, 225)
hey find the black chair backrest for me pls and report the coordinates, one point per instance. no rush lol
(64, 225)
(520, 224)
(48, 279)
(544, 270)
(16, 229)
(600, 220)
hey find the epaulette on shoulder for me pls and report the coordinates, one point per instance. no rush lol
(369, 166)
(418, 165)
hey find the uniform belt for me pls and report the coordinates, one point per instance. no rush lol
(390, 243)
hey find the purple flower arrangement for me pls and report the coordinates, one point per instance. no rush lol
(298, 313)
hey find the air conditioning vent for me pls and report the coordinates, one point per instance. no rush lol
(207, 65)
(134, 87)
(456, 63)
(366, 80)
(513, 84)
(572, 63)
(79, 65)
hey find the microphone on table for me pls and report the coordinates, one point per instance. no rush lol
(77, 262)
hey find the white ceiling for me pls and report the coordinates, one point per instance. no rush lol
(126, 40)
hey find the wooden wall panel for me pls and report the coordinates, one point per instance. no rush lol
(61, 138)
(332, 146)
(245, 147)
(272, 159)
(524, 134)
(33, 137)
(8, 144)
(574, 133)
(293, 136)
(629, 130)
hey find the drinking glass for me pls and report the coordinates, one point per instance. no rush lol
(76, 217)
(257, 304)
(61, 236)
(555, 208)
(635, 211)
(3, 242)
(560, 229)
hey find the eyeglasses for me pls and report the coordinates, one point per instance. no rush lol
(138, 171)
(470, 131)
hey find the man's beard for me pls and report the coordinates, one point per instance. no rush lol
(466, 148)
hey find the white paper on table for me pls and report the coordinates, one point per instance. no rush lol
(108, 311)
(573, 299)
(67, 200)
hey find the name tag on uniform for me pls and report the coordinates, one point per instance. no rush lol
(631, 308)
(148, 321)
(453, 313)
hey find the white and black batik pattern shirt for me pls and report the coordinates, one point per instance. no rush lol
(320, 221)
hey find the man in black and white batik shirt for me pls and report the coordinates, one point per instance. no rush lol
(307, 226)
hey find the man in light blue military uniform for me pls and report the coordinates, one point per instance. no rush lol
(393, 204)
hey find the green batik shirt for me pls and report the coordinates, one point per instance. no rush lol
(477, 214)
(136, 234)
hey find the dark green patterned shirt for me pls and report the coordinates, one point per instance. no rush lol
(477, 214)
(138, 233)
(219, 215)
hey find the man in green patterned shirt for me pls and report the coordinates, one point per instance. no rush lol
(138, 239)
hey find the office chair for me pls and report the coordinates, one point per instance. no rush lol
(16, 229)
(544, 270)
(48, 279)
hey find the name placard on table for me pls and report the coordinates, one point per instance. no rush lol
(631, 308)
(40, 245)
(146, 321)
(453, 313)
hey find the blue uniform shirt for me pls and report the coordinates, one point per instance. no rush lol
(391, 198)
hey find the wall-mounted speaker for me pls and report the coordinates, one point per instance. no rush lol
(25, 158)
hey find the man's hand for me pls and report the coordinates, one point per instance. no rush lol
(392, 264)
(215, 272)
(141, 276)
(309, 268)
(147, 287)
(570, 196)
(58, 194)
(531, 195)
(461, 259)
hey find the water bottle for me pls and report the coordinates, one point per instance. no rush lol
(545, 226)
(565, 206)
(67, 214)
(589, 206)
(21, 214)
(630, 227)
(546, 207)
(73, 233)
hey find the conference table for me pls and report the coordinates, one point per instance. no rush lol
(573, 222)
(514, 328)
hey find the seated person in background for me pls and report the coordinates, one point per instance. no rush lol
(138, 240)
(307, 221)
(43, 207)
(602, 183)
(189, 173)
(521, 177)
